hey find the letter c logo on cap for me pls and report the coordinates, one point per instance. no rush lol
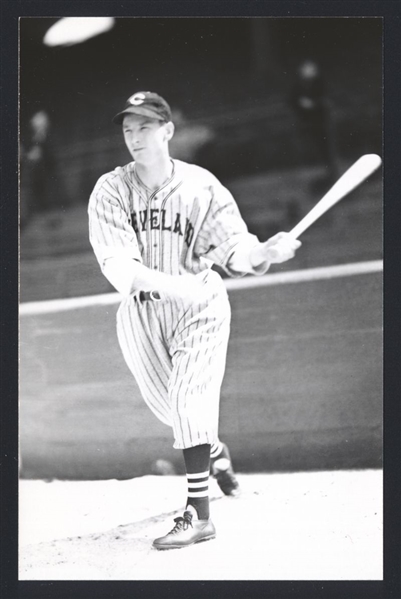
(137, 99)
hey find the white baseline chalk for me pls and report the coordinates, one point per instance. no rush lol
(294, 276)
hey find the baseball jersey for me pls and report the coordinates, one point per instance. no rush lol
(185, 226)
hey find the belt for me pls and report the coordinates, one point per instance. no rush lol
(148, 296)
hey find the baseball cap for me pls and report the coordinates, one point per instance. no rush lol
(147, 104)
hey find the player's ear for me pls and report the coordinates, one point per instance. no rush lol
(169, 128)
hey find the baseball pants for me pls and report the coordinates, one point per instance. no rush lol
(177, 354)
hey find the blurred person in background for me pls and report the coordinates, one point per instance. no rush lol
(310, 102)
(40, 189)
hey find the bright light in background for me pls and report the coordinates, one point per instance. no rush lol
(74, 30)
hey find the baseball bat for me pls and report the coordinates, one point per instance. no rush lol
(354, 176)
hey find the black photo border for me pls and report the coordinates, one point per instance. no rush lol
(11, 588)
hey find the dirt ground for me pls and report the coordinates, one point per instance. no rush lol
(299, 526)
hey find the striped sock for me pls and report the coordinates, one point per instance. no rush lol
(197, 465)
(198, 493)
(220, 457)
(216, 449)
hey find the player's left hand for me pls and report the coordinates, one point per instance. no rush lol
(280, 247)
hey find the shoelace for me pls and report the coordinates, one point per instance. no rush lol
(182, 523)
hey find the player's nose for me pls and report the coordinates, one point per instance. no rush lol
(135, 140)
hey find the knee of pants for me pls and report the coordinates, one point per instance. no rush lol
(196, 411)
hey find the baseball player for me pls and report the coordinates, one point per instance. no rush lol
(157, 225)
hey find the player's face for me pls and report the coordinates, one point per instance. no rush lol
(146, 139)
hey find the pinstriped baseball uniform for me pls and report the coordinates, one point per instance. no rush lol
(175, 349)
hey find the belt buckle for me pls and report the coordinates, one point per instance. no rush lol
(147, 296)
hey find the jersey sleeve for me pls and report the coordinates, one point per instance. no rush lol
(110, 232)
(224, 235)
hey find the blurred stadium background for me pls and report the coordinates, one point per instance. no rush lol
(303, 383)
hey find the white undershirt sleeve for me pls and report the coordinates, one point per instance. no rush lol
(128, 275)
(121, 273)
(241, 261)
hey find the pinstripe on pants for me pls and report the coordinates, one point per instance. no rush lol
(177, 353)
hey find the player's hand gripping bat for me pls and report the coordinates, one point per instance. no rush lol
(354, 176)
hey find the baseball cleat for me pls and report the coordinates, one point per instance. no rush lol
(186, 532)
(223, 472)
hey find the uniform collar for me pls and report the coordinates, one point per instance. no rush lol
(162, 186)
